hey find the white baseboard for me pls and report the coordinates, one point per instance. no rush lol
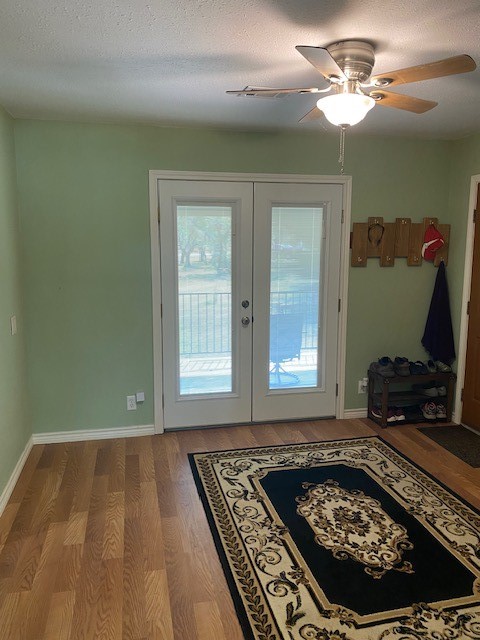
(349, 414)
(12, 481)
(93, 434)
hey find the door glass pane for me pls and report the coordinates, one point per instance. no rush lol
(295, 284)
(204, 249)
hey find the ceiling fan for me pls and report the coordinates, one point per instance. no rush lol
(346, 68)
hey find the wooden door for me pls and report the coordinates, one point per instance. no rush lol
(471, 389)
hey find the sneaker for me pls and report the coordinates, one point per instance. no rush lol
(377, 412)
(442, 391)
(431, 366)
(441, 412)
(429, 410)
(401, 366)
(391, 417)
(428, 389)
(383, 367)
(399, 414)
(442, 367)
(417, 368)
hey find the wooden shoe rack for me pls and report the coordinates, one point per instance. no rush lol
(381, 393)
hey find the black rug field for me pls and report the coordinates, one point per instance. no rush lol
(342, 540)
(462, 442)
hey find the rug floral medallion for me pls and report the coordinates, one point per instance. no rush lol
(343, 540)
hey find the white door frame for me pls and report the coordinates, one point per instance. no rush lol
(467, 284)
(154, 177)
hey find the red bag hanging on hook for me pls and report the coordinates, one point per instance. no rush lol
(432, 242)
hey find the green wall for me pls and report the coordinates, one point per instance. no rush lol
(14, 425)
(85, 245)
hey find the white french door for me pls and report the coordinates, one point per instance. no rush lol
(206, 269)
(296, 283)
(250, 283)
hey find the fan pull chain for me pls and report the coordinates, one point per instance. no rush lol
(341, 157)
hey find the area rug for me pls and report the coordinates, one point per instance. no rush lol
(462, 442)
(343, 540)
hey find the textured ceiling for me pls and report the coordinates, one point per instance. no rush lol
(171, 61)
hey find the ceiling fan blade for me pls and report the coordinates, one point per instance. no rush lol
(322, 61)
(439, 69)
(312, 115)
(265, 92)
(399, 101)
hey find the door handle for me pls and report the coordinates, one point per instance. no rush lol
(245, 321)
(245, 304)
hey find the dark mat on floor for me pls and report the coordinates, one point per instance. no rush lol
(462, 442)
(341, 540)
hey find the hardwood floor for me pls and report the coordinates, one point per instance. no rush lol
(108, 539)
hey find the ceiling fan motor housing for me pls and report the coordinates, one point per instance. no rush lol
(354, 57)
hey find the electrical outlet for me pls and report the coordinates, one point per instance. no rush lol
(362, 387)
(131, 403)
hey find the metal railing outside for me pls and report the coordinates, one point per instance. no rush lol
(205, 319)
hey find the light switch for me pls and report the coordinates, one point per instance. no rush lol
(140, 395)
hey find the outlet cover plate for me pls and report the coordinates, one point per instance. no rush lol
(131, 403)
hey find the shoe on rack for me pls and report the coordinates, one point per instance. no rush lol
(442, 391)
(417, 368)
(429, 410)
(399, 414)
(431, 366)
(401, 366)
(383, 367)
(377, 413)
(442, 367)
(441, 412)
(391, 417)
(428, 389)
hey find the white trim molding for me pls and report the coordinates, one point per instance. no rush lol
(467, 283)
(12, 481)
(350, 414)
(54, 437)
(155, 176)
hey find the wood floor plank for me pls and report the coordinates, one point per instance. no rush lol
(134, 602)
(25, 568)
(153, 546)
(110, 602)
(114, 525)
(70, 565)
(87, 592)
(109, 540)
(157, 605)
(76, 527)
(38, 608)
(117, 465)
(60, 617)
(12, 610)
(209, 622)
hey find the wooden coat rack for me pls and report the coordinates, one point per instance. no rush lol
(399, 239)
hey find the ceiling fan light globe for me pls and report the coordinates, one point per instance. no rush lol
(345, 108)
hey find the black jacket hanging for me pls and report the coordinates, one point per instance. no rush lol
(438, 336)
